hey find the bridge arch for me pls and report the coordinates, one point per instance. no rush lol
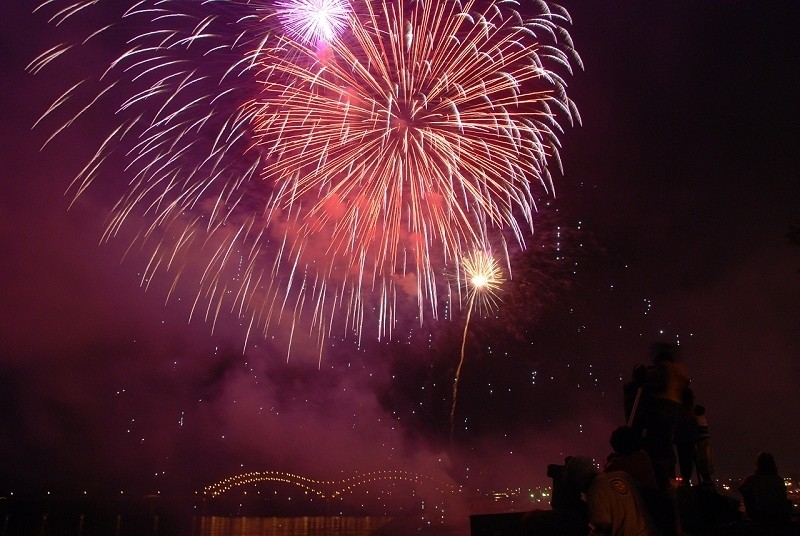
(326, 489)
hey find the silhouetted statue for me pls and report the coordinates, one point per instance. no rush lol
(666, 382)
(764, 493)
(685, 435)
(703, 451)
(634, 395)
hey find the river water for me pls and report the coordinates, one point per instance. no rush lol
(289, 526)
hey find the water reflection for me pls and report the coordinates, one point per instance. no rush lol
(290, 526)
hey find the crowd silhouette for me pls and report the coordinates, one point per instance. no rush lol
(659, 477)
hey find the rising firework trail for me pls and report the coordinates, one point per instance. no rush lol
(483, 278)
(316, 164)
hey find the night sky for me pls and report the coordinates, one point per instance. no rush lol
(669, 223)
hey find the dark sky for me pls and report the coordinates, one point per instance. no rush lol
(678, 191)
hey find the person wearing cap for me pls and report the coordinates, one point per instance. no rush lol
(614, 504)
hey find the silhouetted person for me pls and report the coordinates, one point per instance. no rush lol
(764, 493)
(564, 494)
(614, 504)
(629, 457)
(703, 451)
(568, 515)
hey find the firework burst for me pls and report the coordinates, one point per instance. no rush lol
(483, 279)
(324, 185)
(311, 21)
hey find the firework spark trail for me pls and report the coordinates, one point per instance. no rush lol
(483, 278)
(319, 169)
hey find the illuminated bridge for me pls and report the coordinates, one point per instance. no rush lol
(328, 489)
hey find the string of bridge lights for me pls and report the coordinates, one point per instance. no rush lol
(324, 489)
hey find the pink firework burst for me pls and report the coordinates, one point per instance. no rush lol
(289, 187)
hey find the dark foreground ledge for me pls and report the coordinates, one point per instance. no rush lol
(703, 513)
(510, 524)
